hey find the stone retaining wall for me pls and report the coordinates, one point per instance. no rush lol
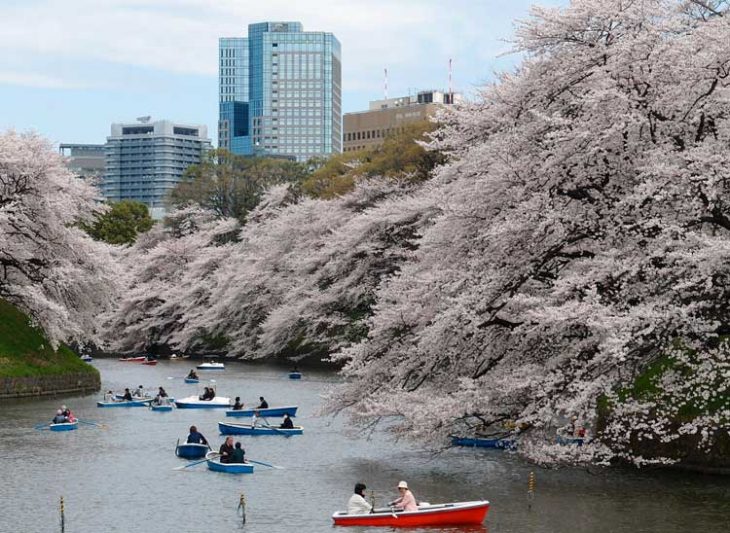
(49, 385)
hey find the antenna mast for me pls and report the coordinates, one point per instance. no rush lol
(385, 84)
(451, 97)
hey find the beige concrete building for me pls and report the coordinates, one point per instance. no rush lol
(368, 129)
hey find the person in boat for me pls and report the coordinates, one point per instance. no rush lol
(127, 396)
(238, 455)
(254, 418)
(406, 501)
(226, 450)
(68, 414)
(264, 404)
(192, 374)
(357, 503)
(139, 392)
(109, 396)
(162, 393)
(59, 418)
(195, 437)
(238, 406)
(288, 424)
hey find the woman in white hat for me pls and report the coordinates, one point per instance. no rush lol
(406, 501)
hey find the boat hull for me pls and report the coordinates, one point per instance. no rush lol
(66, 426)
(193, 402)
(161, 408)
(295, 375)
(149, 363)
(191, 380)
(191, 451)
(270, 411)
(132, 359)
(211, 366)
(450, 514)
(229, 468)
(133, 403)
(246, 429)
(502, 444)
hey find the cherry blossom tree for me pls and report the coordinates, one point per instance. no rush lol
(48, 266)
(584, 230)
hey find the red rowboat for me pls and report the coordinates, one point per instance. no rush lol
(151, 362)
(132, 359)
(445, 514)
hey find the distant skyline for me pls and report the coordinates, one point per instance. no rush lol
(68, 69)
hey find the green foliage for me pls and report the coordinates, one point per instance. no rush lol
(122, 223)
(25, 351)
(400, 156)
(231, 185)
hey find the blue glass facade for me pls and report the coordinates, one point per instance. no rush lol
(293, 90)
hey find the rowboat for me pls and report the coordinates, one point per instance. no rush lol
(64, 426)
(191, 450)
(194, 402)
(570, 441)
(132, 359)
(227, 428)
(123, 403)
(295, 375)
(290, 410)
(213, 460)
(192, 380)
(150, 362)
(445, 514)
(502, 444)
(211, 366)
(87, 358)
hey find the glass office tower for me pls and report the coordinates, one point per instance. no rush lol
(280, 92)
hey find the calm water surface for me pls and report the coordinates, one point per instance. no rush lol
(121, 479)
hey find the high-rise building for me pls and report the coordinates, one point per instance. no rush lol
(280, 92)
(368, 129)
(85, 160)
(145, 160)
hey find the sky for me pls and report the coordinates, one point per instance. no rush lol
(69, 68)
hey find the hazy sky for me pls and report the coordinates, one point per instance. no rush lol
(69, 68)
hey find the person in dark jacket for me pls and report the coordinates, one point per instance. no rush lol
(287, 423)
(237, 406)
(59, 418)
(192, 374)
(226, 450)
(127, 396)
(195, 437)
(238, 455)
(264, 404)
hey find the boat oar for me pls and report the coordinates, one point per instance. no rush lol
(42, 426)
(91, 423)
(264, 464)
(193, 463)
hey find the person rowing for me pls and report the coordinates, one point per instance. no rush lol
(195, 437)
(192, 374)
(59, 418)
(287, 422)
(357, 503)
(406, 501)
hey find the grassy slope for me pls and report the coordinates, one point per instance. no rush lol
(25, 351)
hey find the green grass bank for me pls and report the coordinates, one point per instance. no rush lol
(29, 366)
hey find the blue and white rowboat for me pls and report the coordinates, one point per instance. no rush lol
(192, 380)
(290, 410)
(65, 426)
(161, 408)
(133, 403)
(191, 450)
(502, 444)
(295, 375)
(194, 402)
(213, 460)
(227, 428)
(211, 366)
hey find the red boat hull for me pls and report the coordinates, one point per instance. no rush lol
(151, 363)
(465, 513)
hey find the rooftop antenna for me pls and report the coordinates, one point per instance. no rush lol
(451, 97)
(385, 84)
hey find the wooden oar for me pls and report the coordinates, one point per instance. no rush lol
(91, 423)
(264, 464)
(193, 463)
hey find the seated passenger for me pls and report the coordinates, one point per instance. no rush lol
(287, 423)
(109, 396)
(264, 404)
(59, 418)
(238, 455)
(406, 501)
(196, 438)
(127, 396)
(238, 405)
(192, 374)
(226, 450)
(357, 503)
(139, 392)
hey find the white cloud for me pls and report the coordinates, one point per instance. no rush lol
(181, 36)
